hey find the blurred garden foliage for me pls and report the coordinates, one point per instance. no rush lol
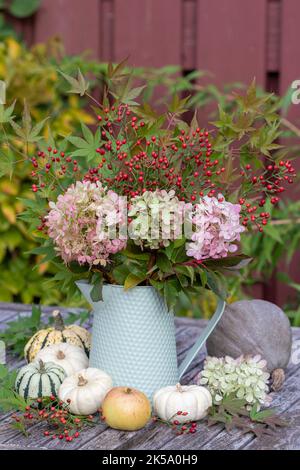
(16, 9)
(33, 74)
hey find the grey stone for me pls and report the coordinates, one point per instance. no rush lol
(253, 327)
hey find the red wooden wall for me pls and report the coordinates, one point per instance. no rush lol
(236, 40)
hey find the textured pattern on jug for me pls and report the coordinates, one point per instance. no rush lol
(133, 339)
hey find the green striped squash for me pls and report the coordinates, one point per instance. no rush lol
(39, 379)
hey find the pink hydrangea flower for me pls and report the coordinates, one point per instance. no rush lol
(85, 223)
(217, 227)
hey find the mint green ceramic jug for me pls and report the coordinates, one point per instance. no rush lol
(133, 337)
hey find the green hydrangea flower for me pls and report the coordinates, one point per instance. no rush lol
(244, 377)
(156, 219)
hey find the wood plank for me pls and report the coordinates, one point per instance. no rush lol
(287, 439)
(13, 310)
(273, 35)
(74, 21)
(157, 436)
(290, 67)
(215, 438)
(14, 307)
(149, 32)
(17, 307)
(110, 439)
(107, 22)
(160, 435)
(37, 439)
(23, 27)
(189, 33)
(130, 440)
(283, 401)
(9, 315)
(212, 437)
(3, 419)
(16, 447)
(290, 71)
(231, 40)
(188, 322)
(6, 317)
(100, 437)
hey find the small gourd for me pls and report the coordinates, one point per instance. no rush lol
(39, 379)
(192, 400)
(85, 390)
(59, 333)
(69, 357)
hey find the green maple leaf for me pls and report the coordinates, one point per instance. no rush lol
(6, 162)
(179, 106)
(117, 70)
(6, 115)
(147, 112)
(87, 146)
(79, 85)
(252, 102)
(27, 131)
(235, 406)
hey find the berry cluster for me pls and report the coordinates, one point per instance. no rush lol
(265, 184)
(135, 162)
(175, 425)
(130, 159)
(62, 424)
(50, 167)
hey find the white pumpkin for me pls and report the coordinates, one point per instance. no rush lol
(193, 399)
(86, 390)
(71, 358)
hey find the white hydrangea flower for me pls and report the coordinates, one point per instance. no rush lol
(245, 377)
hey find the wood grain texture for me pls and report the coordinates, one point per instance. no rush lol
(24, 27)
(189, 34)
(273, 35)
(76, 22)
(156, 436)
(107, 22)
(148, 31)
(287, 439)
(282, 401)
(231, 40)
(290, 64)
(290, 71)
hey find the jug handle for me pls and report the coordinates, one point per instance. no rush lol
(202, 338)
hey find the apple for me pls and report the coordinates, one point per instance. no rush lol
(126, 409)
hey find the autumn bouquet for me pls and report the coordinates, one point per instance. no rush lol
(143, 198)
(142, 212)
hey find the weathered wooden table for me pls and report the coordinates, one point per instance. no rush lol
(157, 436)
